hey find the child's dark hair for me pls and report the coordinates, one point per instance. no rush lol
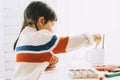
(32, 13)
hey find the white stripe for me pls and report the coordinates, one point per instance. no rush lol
(35, 52)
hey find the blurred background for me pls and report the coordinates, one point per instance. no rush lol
(74, 17)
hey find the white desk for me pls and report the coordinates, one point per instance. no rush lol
(61, 71)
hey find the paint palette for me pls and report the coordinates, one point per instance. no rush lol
(82, 73)
(108, 68)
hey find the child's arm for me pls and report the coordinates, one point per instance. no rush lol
(66, 44)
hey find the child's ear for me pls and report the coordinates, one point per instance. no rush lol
(41, 21)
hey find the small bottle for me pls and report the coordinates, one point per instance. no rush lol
(101, 76)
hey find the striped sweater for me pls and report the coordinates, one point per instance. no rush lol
(35, 49)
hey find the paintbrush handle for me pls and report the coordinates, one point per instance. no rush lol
(103, 41)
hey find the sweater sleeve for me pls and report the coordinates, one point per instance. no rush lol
(66, 44)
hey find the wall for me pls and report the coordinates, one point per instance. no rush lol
(1, 41)
(95, 16)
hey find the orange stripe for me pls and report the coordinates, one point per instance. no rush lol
(61, 46)
(28, 57)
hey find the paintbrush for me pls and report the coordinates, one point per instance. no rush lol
(103, 41)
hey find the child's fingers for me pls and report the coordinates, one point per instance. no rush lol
(54, 60)
(97, 38)
(51, 60)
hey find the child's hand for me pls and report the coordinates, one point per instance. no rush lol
(97, 38)
(53, 62)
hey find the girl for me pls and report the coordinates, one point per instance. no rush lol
(36, 45)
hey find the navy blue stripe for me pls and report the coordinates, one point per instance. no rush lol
(39, 47)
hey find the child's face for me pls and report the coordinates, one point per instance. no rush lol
(49, 26)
